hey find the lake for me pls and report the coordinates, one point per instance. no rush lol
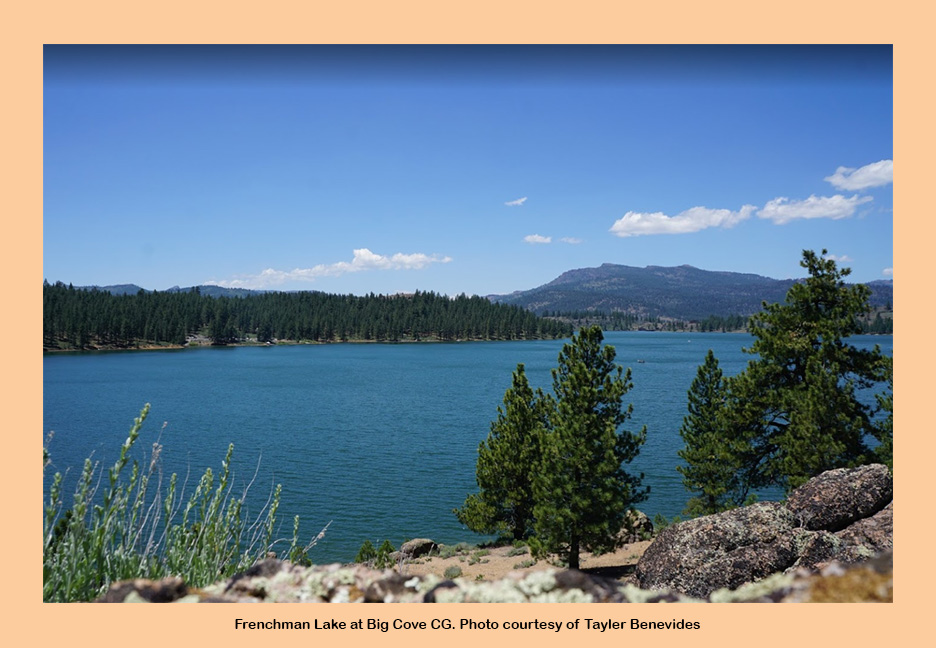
(378, 439)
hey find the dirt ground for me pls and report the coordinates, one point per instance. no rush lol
(495, 563)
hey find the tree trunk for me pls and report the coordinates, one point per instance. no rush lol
(574, 552)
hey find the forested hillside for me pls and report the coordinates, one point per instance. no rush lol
(877, 321)
(75, 318)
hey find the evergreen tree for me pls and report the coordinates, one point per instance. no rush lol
(884, 429)
(221, 331)
(506, 461)
(383, 558)
(798, 399)
(581, 489)
(714, 450)
(265, 332)
(366, 553)
(81, 317)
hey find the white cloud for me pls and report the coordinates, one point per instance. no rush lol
(536, 238)
(839, 259)
(516, 203)
(362, 260)
(783, 210)
(571, 240)
(691, 220)
(876, 174)
(888, 272)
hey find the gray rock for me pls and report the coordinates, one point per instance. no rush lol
(815, 549)
(843, 515)
(837, 498)
(637, 527)
(282, 582)
(167, 590)
(698, 556)
(875, 533)
(417, 547)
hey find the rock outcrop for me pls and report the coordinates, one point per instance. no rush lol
(843, 515)
(832, 540)
(637, 527)
(416, 548)
(273, 581)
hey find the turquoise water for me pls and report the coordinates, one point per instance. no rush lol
(378, 439)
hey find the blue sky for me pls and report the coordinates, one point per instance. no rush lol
(475, 169)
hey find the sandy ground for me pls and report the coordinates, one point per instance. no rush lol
(496, 563)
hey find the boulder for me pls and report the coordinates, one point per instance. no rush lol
(837, 498)
(843, 515)
(637, 527)
(728, 549)
(141, 590)
(815, 549)
(416, 548)
(875, 533)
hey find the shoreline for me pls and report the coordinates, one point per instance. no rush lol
(202, 345)
(178, 347)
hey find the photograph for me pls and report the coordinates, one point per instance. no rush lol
(468, 323)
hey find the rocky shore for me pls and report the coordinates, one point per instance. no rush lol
(830, 541)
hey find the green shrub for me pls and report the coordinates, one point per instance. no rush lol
(446, 551)
(452, 572)
(478, 557)
(384, 559)
(135, 532)
(366, 553)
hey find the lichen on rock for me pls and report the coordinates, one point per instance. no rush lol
(843, 515)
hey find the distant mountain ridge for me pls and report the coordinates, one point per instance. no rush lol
(682, 292)
(208, 290)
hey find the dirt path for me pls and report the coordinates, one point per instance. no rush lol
(495, 563)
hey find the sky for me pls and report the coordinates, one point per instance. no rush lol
(460, 169)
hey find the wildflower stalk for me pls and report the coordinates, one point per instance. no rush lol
(136, 532)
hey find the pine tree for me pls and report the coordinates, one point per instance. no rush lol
(799, 397)
(506, 461)
(884, 429)
(581, 489)
(366, 553)
(714, 450)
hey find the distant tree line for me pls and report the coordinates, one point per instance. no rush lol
(86, 318)
(627, 321)
(879, 321)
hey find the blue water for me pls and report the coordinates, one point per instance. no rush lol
(378, 439)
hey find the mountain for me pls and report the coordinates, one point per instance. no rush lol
(681, 292)
(219, 291)
(207, 290)
(119, 289)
